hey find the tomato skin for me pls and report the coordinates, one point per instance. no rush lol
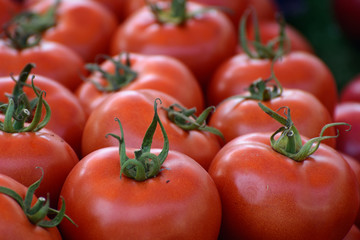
(135, 111)
(213, 39)
(237, 117)
(269, 30)
(266, 195)
(351, 91)
(159, 72)
(67, 115)
(21, 153)
(265, 9)
(8, 9)
(117, 7)
(348, 142)
(84, 26)
(181, 202)
(52, 60)
(296, 70)
(353, 234)
(13, 222)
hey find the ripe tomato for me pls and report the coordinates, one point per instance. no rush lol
(269, 30)
(351, 91)
(188, 207)
(265, 193)
(67, 115)
(349, 143)
(52, 60)
(134, 108)
(201, 41)
(84, 26)
(162, 73)
(238, 116)
(296, 70)
(14, 224)
(117, 7)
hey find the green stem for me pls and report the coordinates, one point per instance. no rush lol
(144, 165)
(40, 210)
(187, 120)
(289, 142)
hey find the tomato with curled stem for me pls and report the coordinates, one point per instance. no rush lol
(113, 191)
(187, 134)
(25, 146)
(240, 114)
(283, 186)
(67, 118)
(132, 71)
(294, 69)
(199, 36)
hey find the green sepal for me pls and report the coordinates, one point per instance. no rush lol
(187, 120)
(289, 143)
(41, 209)
(144, 165)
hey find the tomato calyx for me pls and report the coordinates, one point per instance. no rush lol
(122, 76)
(175, 14)
(260, 89)
(187, 120)
(25, 29)
(274, 49)
(20, 109)
(41, 209)
(289, 142)
(145, 164)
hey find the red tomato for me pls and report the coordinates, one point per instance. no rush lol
(14, 224)
(52, 60)
(265, 193)
(296, 70)
(117, 7)
(181, 202)
(353, 234)
(134, 108)
(269, 30)
(67, 115)
(162, 73)
(213, 38)
(21, 153)
(349, 143)
(237, 116)
(351, 91)
(84, 26)
(355, 166)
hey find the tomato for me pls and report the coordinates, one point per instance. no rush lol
(355, 166)
(67, 116)
(238, 116)
(165, 192)
(25, 146)
(14, 224)
(269, 30)
(353, 234)
(162, 73)
(295, 70)
(84, 26)
(265, 9)
(8, 9)
(349, 143)
(52, 60)
(201, 41)
(266, 193)
(117, 7)
(134, 109)
(351, 91)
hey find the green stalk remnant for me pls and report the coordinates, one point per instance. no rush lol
(20, 110)
(145, 164)
(187, 120)
(289, 143)
(122, 76)
(41, 209)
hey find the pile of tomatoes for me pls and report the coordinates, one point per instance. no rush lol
(202, 119)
